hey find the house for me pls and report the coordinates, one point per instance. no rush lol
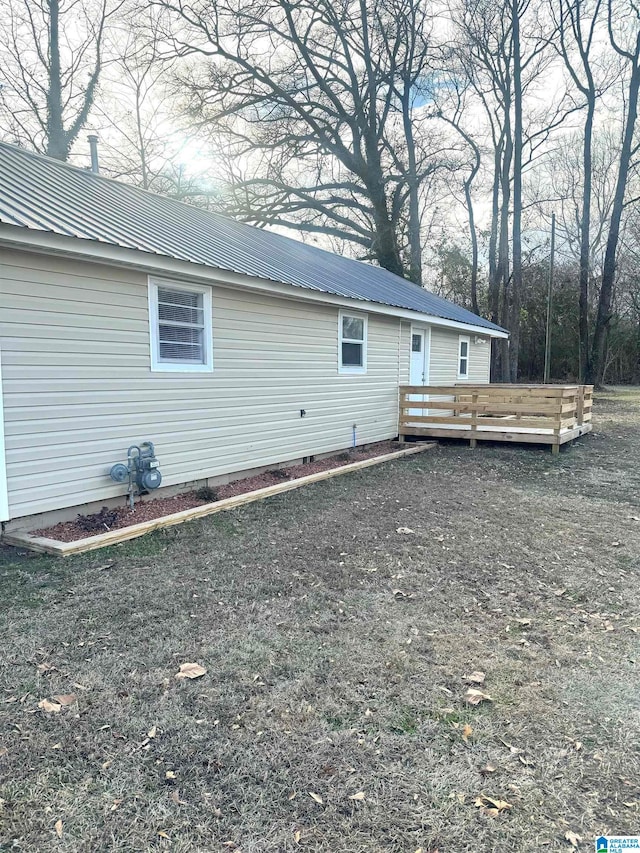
(125, 317)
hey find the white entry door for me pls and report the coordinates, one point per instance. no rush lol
(4, 502)
(419, 366)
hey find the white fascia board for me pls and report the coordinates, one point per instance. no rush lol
(46, 242)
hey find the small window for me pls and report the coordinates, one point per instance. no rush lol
(416, 343)
(463, 357)
(180, 318)
(352, 343)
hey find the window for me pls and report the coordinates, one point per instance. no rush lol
(416, 343)
(463, 357)
(180, 320)
(352, 343)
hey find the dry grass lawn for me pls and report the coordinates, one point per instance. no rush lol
(337, 651)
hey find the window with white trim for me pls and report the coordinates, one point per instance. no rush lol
(352, 343)
(180, 318)
(464, 343)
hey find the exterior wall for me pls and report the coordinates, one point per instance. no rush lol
(444, 358)
(444, 363)
(78, 389)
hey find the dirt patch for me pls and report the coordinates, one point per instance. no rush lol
(339, 649)
(150, 508)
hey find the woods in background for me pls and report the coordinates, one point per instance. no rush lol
(432, 138)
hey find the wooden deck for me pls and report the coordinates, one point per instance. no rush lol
(533, 414)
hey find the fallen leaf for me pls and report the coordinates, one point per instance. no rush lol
(191, 670)
(523, 621)
(297, 835)
(152, 731)
(467, 731)
(46, 667)
(175, 796)
(163, 834)
(58, 828)
(476, 677)
(488, 769)
(475, 697)
(170, 775)
(573, 839)
(491, 806)
(405, 530)
(65, 699)
(359, 796)
(316, 797)
(49, 707)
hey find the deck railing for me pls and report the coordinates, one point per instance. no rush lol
(549, 410)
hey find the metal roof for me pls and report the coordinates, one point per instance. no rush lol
(42, 194)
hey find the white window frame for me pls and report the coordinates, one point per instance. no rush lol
(463, 339)
(159, 366)
(352, 368)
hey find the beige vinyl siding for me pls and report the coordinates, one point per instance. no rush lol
(404, 363)
(78, 389)
(444, 360)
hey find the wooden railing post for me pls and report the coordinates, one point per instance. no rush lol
(401, 396)
(580, 408)
(474, 419)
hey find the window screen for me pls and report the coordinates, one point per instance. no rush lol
(463, 360)
(181, 326)
(353, 341)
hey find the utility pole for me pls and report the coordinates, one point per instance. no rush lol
(547, 346)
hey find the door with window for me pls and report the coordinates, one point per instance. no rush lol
(419, 364)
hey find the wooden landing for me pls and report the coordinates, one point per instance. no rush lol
(500, 435)
(529, 414)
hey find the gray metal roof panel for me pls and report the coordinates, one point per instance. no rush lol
(39, 193)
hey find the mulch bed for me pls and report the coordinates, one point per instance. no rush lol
(150, 508)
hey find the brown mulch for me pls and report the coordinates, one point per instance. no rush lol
(151, 508)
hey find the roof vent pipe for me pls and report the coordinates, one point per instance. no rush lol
(93, 144)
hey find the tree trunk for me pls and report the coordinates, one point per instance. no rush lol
(415, 241)
(57, 145)
(474, 247)
(585, 242)
(609, 270)
(516, 281)
(502, 271)
(494, 281)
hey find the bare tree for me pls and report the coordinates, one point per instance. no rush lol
(452, 112)
(52, 58)
(577, 22)
(624, 35)
(325, 100)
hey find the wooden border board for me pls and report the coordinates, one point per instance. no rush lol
(113, 537)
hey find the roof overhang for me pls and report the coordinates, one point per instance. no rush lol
(46, 242)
